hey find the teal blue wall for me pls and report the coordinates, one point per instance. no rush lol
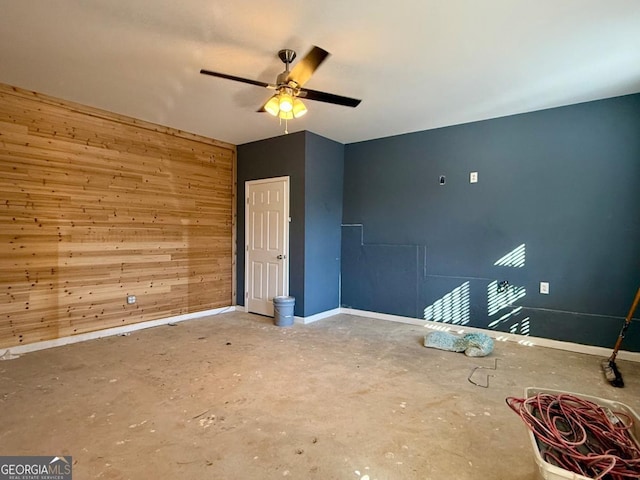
(324, 163)
(275, 157)
(315, 165)
(564, 182)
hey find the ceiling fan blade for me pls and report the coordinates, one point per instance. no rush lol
(237, 79)
(328, 98)
(304, 68)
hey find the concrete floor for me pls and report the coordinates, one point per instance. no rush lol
(234, 397)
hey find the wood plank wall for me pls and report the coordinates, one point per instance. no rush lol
(95, 207)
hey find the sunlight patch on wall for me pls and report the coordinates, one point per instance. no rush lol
(504, 318)
(496, 301)
(517, 326)
(521, 327)
(515, 258)
(451, 308)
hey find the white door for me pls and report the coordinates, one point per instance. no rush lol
(266, 243)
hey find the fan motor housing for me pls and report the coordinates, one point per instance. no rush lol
(282, 78)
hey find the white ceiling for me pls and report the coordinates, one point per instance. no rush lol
(416, 64)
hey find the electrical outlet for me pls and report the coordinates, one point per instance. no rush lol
(544, 288)
(131, 299)
(473, 177)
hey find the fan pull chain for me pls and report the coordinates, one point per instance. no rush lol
(286, 126)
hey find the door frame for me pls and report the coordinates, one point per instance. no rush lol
(287, 217)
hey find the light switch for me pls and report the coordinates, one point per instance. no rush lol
(473, 177)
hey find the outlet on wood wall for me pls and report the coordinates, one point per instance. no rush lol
(94, 207)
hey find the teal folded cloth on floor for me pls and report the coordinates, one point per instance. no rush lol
(445, 341)
(472, 344)
(478, 344)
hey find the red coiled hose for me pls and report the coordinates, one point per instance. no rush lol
(581, 436)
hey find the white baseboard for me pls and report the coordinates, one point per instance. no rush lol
(383, 316)
(18, 350)
(499, 336)
(317, 316)
(108, 332)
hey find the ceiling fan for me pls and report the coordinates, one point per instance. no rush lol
(286, 103)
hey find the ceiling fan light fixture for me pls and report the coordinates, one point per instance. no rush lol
(299, 108)
(286, 102)
(273, 105)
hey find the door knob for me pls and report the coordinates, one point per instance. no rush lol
(280, 257)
